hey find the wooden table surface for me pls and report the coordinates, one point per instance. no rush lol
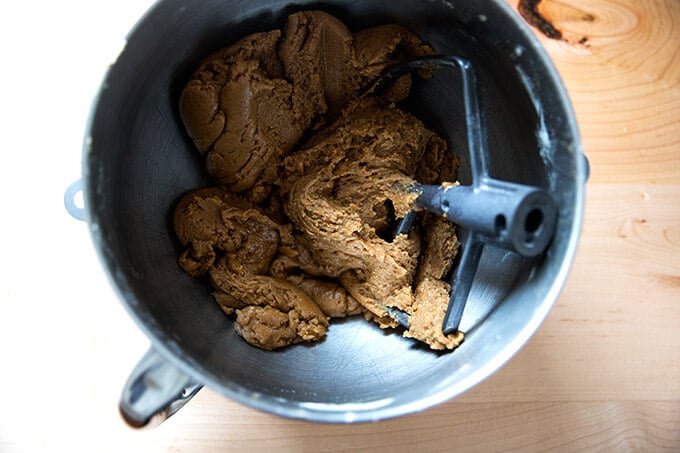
(603, 372)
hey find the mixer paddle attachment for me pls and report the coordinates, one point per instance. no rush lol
(489, 212)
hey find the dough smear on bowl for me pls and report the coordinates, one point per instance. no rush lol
(298, 227)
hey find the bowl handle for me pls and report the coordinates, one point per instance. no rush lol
(586, 167)
(77, 212)
(154, 391)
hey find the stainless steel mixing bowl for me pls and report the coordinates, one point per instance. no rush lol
(138, 160)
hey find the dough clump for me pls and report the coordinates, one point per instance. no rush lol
(308, 165)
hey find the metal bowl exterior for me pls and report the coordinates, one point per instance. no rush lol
(138, 161)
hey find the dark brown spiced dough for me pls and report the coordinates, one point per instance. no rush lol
(300, 232)
(248, 105)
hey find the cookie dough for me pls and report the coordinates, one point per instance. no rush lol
(308, 170)
(247, 106)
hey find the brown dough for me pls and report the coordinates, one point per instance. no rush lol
(299, 232)
(249, 104)
(335, 192)
(271, 312)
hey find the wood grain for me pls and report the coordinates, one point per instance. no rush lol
(624, 82)
(213, 424)
(574, 426)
